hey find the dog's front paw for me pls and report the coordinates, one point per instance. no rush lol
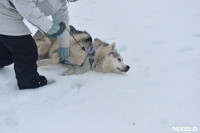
(69, 72)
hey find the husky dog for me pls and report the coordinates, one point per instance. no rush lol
(98, 55)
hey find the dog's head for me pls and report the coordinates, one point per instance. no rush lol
(111, 60)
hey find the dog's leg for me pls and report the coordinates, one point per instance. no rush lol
(70, 71)
(52, 61)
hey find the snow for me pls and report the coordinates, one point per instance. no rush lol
(159, 39)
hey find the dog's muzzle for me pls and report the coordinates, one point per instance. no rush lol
(125, 69)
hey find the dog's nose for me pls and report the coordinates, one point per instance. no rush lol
(127, 68)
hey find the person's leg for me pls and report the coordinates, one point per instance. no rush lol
(5, 56)
(24, 51)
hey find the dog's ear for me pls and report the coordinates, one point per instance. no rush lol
(112, 46)
(97, 41)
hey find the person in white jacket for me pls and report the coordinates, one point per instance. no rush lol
(16, 43)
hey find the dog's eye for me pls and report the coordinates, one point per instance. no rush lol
(119, 59)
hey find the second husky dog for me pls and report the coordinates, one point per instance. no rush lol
(99, 55)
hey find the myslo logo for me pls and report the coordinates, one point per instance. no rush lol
(184, 129)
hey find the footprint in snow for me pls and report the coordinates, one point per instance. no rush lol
(184, 49)
(77, 86)
(196, 35)
(9, 121)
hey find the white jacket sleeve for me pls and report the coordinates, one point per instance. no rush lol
(62, 15)
(28, 9)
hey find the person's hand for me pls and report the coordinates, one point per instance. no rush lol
(56, 29)
(64, 52)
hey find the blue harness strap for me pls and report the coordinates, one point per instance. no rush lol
(68, 62)
(91, 61)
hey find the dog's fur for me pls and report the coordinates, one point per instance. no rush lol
(106, 58)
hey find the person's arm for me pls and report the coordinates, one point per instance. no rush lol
(63, 39)
(28, 9)
(62, 15)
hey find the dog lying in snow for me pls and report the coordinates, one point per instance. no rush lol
(99, 56)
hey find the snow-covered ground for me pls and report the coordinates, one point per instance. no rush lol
(159, 39)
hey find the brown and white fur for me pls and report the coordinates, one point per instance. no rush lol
(106, 58)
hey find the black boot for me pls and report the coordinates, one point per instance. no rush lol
(40, 81)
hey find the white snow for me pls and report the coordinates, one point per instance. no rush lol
(159, 39)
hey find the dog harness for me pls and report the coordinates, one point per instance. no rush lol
(89, 55)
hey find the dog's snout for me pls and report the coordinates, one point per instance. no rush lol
(127, 68)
